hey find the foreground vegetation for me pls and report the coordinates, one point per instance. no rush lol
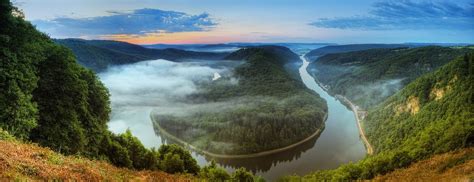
(369, 77)
(431, 115)
(47, 98)
(39, 163)
(452, 166)
(267, 109)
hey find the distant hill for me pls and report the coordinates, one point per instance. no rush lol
(99, 54)
(348, 48)
(331, 49)
(284, 54)
(231, 47)
(368, 77)
(431, 115)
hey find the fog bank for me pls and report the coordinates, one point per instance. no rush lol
(137, 89)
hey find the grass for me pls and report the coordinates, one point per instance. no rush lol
(22, 161)
(451, 166)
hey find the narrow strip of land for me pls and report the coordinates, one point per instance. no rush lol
(237, 156)
(359, 115)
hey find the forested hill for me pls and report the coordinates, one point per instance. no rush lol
(261, 108)
(331, 49)
(48, 99)
(368, 77)
(99, 54)
(281, 55)
(431, 115)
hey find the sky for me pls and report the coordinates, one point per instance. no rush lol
(224, 21)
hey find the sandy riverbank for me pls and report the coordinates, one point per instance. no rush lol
(359, 118)
(355, 110)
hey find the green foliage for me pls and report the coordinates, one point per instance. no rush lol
(4, 135)
(45, 96)
(177, 160)
(371, 76)
(18, 56)
(267, 109)
(214, 173)
(242, 175)
(401, 135)
(332, 49)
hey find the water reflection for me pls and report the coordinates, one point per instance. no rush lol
(258, 164)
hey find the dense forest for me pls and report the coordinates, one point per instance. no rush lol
(431, 115)
(369, 77)
(99, 54)
(266, 108)
(46, 97)
(332, 49)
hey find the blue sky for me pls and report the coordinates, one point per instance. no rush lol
(217, 21)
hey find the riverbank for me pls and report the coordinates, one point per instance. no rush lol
(239, 156)
(359, 115)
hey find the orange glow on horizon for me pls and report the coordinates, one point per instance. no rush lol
(178, 38)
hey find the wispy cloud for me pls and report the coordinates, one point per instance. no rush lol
(407, 14)
(137, 22)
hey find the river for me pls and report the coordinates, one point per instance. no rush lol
(339, 142)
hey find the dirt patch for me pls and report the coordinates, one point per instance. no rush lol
(412, 106)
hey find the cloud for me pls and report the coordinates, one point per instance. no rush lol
(407, 14)
(137, 22)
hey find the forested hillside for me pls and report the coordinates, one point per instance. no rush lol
(99, 54)
(331, 49)
(47, 98)
(431, 115)
(369, 77)
(260, 107)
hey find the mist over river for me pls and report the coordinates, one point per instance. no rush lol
(137, 89)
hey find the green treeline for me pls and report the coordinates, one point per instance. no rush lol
(266, 109)
(369, 77)
(48, 98)
(431, 115)
(100, 54)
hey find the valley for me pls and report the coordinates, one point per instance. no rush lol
(337, 143)
(136, 93)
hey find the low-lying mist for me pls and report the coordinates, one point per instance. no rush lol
(154, 83)
(161, 85)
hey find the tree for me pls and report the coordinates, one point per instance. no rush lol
(189, 163)
(242, 175)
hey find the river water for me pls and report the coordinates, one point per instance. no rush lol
(339, 142)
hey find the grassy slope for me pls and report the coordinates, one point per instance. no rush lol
(369, 77)
(25, 161)
(451, 166)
